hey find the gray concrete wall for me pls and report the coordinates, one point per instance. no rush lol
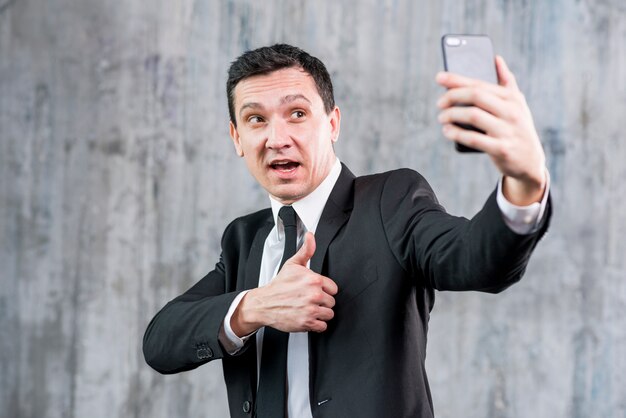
(117, 178)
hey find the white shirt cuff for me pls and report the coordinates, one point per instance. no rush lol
(230, 341)
(523, 220)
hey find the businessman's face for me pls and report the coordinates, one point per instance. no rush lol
(283, 132)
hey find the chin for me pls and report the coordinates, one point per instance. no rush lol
(288, 196)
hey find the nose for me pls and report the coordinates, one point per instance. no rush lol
(278, 135)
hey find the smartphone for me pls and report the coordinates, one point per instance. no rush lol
(470, 56)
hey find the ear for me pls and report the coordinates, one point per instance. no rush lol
(335, 124)
(234, 135)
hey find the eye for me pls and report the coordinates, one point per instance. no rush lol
(255, 119)
(297, 114)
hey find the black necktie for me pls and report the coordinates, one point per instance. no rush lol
(271, 397)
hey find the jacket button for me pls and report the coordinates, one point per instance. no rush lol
(246, 407)
(204, 353)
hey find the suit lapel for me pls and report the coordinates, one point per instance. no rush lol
(335, 214)
(251, 280)
(253, 265)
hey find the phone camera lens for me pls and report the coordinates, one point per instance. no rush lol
(453, 41)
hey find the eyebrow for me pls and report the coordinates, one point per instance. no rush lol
(287, 99)
(293, 97)
(251, 105)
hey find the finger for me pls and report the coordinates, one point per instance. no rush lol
(324, 300)
(452, 80)
(492, 103)
(471, 139)
(470, 115)
(317, 326)
(305, 252)
(325, 314)
(505, 76)
(329, 286)
(320, 322)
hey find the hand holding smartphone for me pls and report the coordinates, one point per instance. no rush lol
(470, 56)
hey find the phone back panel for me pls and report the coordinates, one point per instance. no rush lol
(472, 57)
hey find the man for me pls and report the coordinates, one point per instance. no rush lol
(339, 329)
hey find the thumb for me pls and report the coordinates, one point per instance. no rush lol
(305, 252)
(505, 76)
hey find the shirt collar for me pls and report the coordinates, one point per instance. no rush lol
(310, 207)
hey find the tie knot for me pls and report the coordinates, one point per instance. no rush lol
(288, 215)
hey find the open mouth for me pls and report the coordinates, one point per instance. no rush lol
(285, 166)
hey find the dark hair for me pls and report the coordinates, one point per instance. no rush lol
(268, 59)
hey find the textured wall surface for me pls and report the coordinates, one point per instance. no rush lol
(117, 178)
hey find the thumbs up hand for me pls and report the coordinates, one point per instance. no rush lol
(296, 300)
(304, 254)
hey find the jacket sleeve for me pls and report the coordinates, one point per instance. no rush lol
(184, 333)
(449, 252)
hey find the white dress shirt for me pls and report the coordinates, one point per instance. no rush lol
(521, 219)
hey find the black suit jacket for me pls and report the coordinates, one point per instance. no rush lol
(388, 245)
